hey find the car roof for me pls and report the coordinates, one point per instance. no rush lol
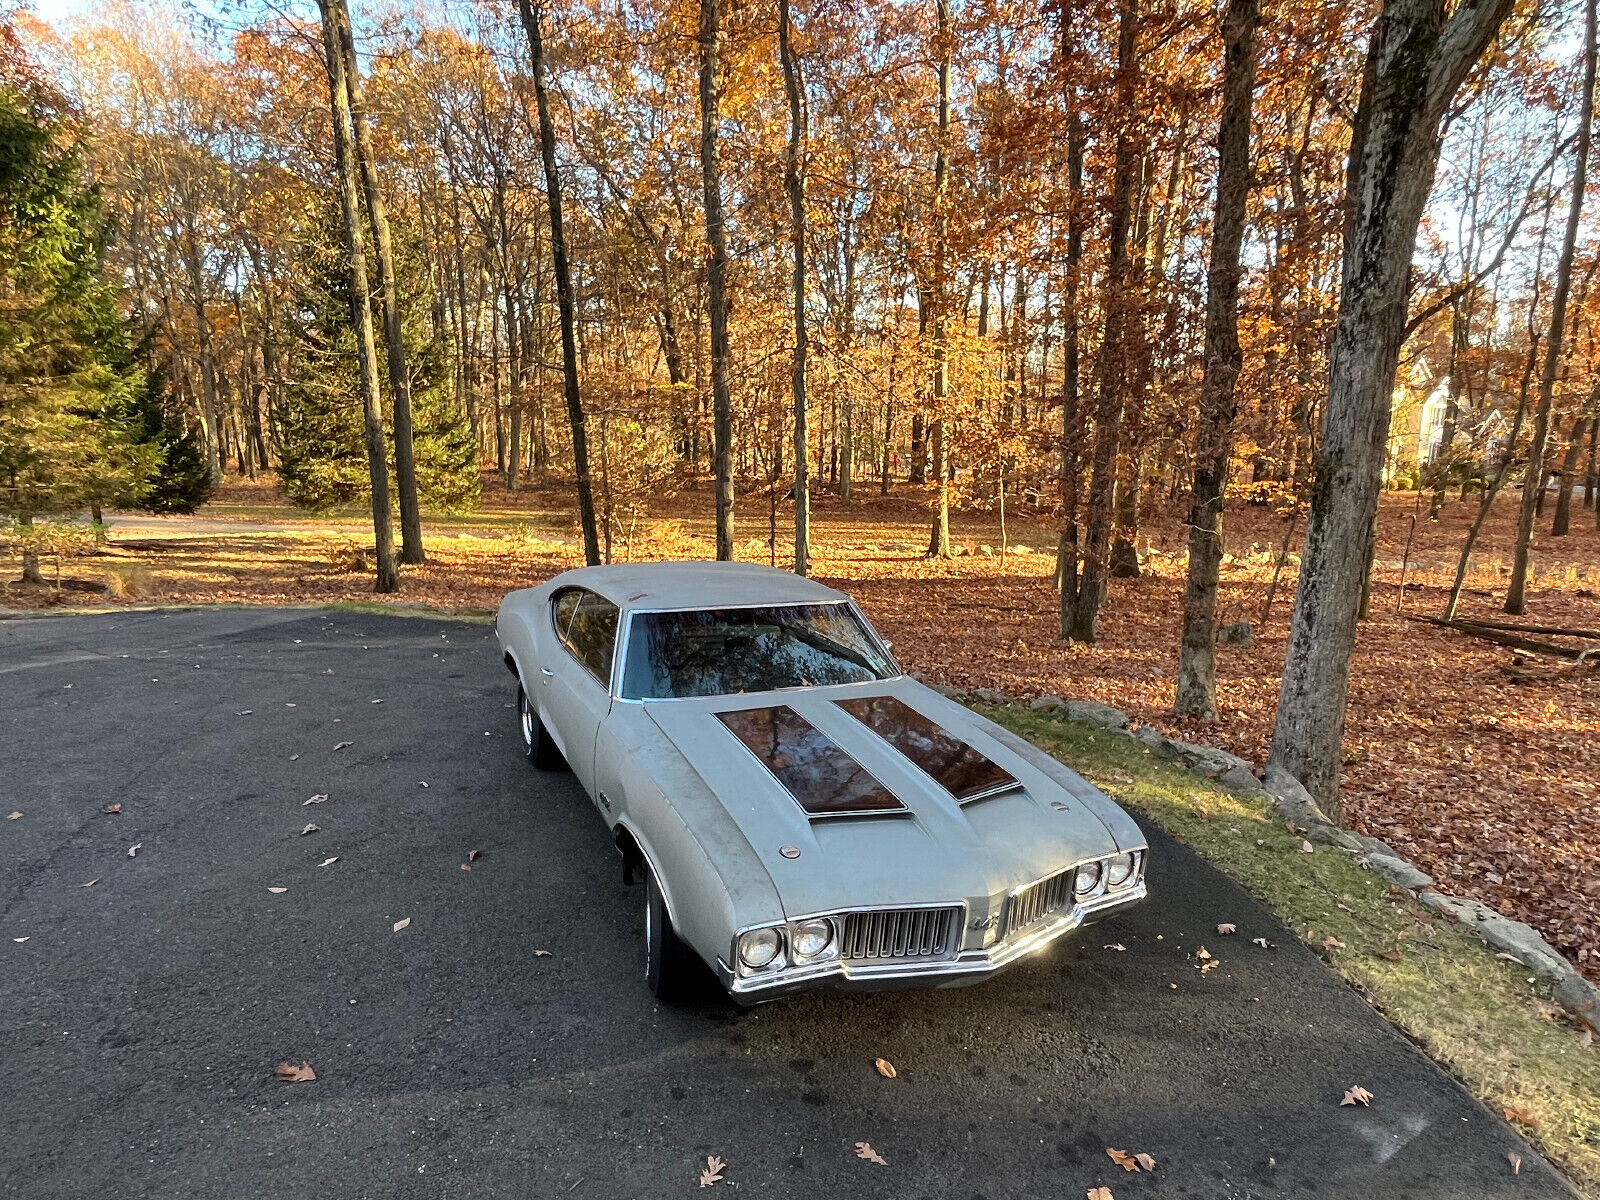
(701, 584)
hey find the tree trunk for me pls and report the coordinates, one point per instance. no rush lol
(1071, 433)
(405, 462)
(1415, 63)
(30, 558)
(1534, 477)
(716, 270)
(563, 273)
(1569, 470)
(794, 179)
(388, 577)
(939, 537)
(1108, 410)
(1197, 654)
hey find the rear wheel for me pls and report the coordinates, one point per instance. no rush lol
(669, 964)
(537, 744)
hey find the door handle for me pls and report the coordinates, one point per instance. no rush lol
(546, 672)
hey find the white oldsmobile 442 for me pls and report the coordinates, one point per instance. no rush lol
(801, 813)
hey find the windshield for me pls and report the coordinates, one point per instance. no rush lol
(726, 651)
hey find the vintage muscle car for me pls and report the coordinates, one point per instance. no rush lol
(801, 812)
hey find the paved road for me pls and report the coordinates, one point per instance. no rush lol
(141, 1020)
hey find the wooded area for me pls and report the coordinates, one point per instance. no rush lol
(1091, 264)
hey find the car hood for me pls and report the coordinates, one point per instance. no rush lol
(919, 844)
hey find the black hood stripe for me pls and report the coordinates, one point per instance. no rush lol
(961, 770)
(816, 770)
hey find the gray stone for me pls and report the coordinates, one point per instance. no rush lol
(1240, 779)
(1292, 799)
(1092, 712)
(989, 696)
(1397, 871)
(1046, 703)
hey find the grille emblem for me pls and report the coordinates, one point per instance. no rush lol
(988, 922)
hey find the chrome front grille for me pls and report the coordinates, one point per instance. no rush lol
(900, 933)
(1039, 901)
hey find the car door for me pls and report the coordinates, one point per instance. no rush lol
(575, 679)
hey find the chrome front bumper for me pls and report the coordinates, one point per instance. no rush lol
(965, 967)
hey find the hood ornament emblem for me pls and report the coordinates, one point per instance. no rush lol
(789, 851)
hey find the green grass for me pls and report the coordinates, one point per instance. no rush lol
(1478, 1015)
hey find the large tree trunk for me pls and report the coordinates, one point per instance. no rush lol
(939, 537)
(563, 273)
(794, 179)
(1071, 433)
(1415, 64)
(1113, 372)
(1534, 477)
(716, 270)
(405, 461)
(388, 578)
(1569, 471)
(1197, 655)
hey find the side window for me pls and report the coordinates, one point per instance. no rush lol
(587, 625)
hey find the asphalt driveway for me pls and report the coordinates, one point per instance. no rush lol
(142, 1017)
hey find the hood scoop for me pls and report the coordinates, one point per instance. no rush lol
(961, 770)
(824, 780)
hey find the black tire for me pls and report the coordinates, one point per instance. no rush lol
(671, 969)
(537, 745)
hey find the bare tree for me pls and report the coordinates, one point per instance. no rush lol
(939, 537)
(531, 14)
(388, 579)
(1416, 61)
(794, 178)
(1197, 655)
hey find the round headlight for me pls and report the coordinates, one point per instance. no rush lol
(1121, 869)
(811, 938)
(1087, 878)
(759, 947)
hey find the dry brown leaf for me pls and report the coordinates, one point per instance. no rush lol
(1332, 943)
(342, 745)
(310, 828)
(1123, 1159)
(1515, 1160)
(865, 1151)
(466, 866)
(91, 882)
(712, 1171)
(15, 816)
(1358, 1095)
(1261, 941)
(1116, 946)
(20, 940)
(112, 810)
(401, 924)
(277, 891)
(1210, 966)
(322, 799)
(1202, 954)
(1100, 1193)
(328, 862)
(134, 849)
(1145, 1161)
(290, 1073)
(885, 1068)
(542, 953)
(1226, 928)
(1520, 1116)
(474, 855)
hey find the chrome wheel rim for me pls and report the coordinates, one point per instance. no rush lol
(649, 934)
(527, 720)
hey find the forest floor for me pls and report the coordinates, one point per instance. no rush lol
(1482, 769)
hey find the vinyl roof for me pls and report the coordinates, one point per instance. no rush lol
(695, 585)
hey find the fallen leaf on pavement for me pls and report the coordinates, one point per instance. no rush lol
(1210, 966)
(342, 745)
(1202, 954)
(375, 702)
(474, 855)
(401, 924)
(466, 866)
(1515, 1160)
(542, 953)
(277, 891)
(91, 883)
(1145, 1161)
(1262, 942)
(290, 1073)
(112, 810)
(1123, 1159)
(328, 862)
(310, 828)
(134, 849)
(1116, 946)
(885, 1068)
(1226, 928)
(1358, 1095)
(864, 1150)
(16, 816)
(712, 1171)
(1100, 1193)
(20, 940)
(245, 713)
(323, 799)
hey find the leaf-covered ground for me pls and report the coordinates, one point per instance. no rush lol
(1485, 772)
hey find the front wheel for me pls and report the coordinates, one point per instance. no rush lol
(669, 964)
(537, 745)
